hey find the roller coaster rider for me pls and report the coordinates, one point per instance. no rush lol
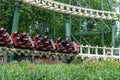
(69, 45)
(48, 44)
(38, 42)
(5, 39)
(60, 45)
(16, 40)
(27, 41)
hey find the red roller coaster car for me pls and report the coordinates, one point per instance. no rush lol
(66, 46)
(22, 41)
(44, 44)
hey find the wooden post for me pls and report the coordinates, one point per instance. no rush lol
(50, 59)
(96, 50)
(104, 56)
(89, 49)
(5, 57)
(56, 59)
(112, 52)
(119, 53)
(33, 58)
(104, 50)
(81, 49)
(63, 59)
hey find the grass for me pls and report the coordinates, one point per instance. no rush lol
(106, 70)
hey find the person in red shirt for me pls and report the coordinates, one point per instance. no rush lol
(27, 41)
(60, 45)
(48, 44)
(5, 39)
(38, 41)
(16, 39)
(69, 46)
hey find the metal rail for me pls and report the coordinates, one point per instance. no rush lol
(99, 52)
(85, 51)
(5, 50)
(73, 10)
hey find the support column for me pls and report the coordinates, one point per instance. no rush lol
(67, 26)
(113, 33)
(80, 25)
(102, 7)
(15, 25)
(16, 17)
(118, 26)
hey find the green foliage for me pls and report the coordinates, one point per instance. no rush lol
(107, 70)
(6, 13)
(78, 60)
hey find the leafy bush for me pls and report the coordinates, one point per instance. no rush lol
(107, 70)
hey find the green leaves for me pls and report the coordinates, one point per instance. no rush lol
(106, 70)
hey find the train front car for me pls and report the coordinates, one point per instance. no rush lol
(5, 39)
(66, 46)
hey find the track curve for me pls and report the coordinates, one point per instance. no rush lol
(73, 10)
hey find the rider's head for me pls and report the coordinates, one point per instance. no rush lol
(45, 37)
(37, 35)
(24, 34)
(16, 33)
(68, 39)
(60, 38)
(2, 29)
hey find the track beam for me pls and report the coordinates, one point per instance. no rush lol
(73, 10)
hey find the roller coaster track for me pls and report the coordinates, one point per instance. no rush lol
(73, 10)
(26, 52)
(89, 52)
(6, 52)
(99, 52)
